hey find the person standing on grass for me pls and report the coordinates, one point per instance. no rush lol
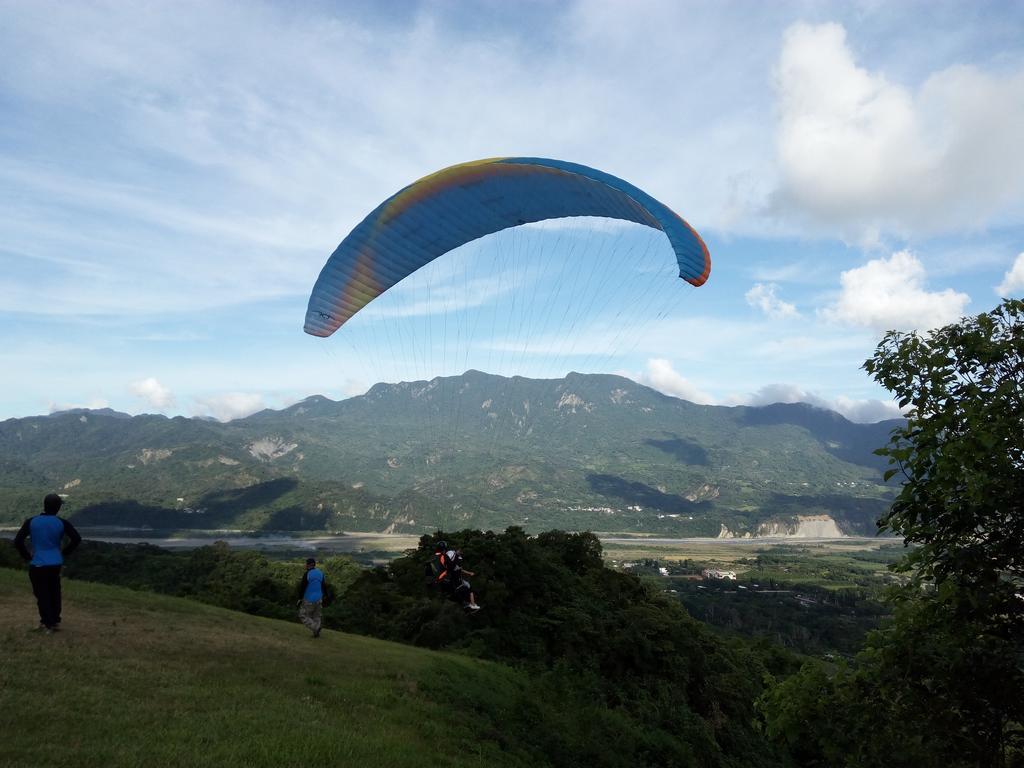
(47, 532)
(312, 589)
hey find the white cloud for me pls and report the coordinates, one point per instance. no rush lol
(660, 375)
(154, 393)
(576, 223)
(778, 393)
(802, 271)
(144, 182)
(228, 406)
(1013, 280)
(353, 388)
(842, 348)
(93, 404)
(419, 296)
(861, 411)
(866, 411)
(275, 147)
(887, 294)
(864, 154)
(762, 296)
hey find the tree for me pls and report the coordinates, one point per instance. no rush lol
(943, 684)
(931, 690)
(961, 453)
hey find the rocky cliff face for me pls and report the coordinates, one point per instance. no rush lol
(802, 527)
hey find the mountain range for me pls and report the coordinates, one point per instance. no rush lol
(587, 452)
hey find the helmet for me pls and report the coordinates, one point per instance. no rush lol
(441, 546)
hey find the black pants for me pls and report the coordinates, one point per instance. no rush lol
(46, 587)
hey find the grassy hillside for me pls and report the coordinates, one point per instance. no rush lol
(142, 679)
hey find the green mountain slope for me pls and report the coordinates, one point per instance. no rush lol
(137, 679)
(592, 452)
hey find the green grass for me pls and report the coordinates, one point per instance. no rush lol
(137, 679)
(828, 568)
(728, 553)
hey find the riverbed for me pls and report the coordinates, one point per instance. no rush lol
(394, 544)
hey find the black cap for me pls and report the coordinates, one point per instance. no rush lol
(52, 503)
(310, 561)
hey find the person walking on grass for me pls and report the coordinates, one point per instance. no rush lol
(45, 559)
(312, 590)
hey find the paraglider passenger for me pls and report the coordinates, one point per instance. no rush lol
(312, 589)
(47, 532)
(463, 589)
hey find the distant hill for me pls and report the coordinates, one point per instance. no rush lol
(93, 411)
(595, 452)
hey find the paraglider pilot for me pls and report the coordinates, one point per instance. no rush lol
(452, 576)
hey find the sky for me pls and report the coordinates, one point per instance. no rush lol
(173, 176)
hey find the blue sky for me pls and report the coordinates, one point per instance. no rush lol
(174, 175)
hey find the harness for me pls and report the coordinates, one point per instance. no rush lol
(443, 565)
(439, 570)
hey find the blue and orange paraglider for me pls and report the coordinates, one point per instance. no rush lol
(464, 202)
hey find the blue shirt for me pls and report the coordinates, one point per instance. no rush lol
(47, 532)
(314, 585)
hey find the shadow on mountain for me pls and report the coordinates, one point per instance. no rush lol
(252, 496)
(687, 451)
(634, 493)
(296, 518)
(132, 514)
(210, 511)
(844, 439)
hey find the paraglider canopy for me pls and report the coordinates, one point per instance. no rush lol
(464, 202)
